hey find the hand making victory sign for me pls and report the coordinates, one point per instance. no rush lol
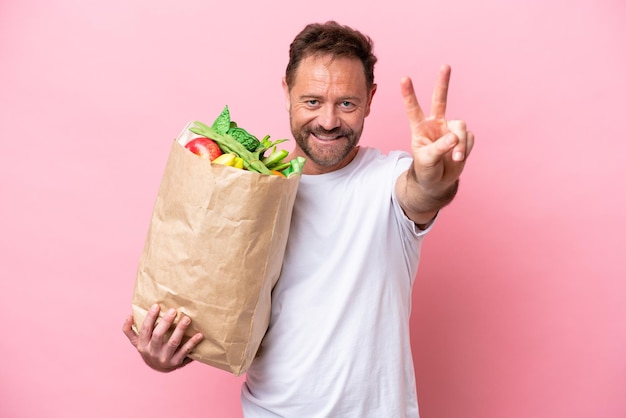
(440, 149)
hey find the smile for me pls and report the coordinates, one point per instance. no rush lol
(327, 137)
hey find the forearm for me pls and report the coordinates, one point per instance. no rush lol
(421, 204)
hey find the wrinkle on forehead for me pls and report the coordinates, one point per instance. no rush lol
(338, 76)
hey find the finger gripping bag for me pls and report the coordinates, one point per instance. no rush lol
(214, 251)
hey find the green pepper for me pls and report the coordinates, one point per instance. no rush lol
(275, 158)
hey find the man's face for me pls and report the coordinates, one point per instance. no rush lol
(327, 105)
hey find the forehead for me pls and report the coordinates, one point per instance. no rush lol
(318, 74)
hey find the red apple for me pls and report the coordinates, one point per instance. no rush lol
(204, 147)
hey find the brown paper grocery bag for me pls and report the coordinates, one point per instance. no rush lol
(214, 251)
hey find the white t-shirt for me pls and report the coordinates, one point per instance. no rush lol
(338, 343)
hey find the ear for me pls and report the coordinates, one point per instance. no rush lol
(369, 101)
(287, 96)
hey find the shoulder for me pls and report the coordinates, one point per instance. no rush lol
(369, 155)
(395, 162)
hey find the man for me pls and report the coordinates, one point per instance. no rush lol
(338, 343)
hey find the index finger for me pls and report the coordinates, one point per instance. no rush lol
(440, 93)
(411, 105)
(145, 333)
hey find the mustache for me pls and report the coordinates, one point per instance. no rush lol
(338, 131)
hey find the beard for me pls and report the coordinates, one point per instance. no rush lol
(347, 140)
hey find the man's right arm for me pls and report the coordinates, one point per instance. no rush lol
(157, 350)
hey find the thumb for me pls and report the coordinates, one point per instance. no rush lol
(435, 151)
(127, 328)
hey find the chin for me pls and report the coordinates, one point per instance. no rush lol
(327, 157)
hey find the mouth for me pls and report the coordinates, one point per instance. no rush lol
(328, 137)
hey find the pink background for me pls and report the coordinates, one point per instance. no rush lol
(519, 307)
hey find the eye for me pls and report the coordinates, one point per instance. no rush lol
(312, 102)
(346, 105)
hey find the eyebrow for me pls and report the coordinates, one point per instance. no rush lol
(341, 99)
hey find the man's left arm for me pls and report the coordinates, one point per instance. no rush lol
(440, 149)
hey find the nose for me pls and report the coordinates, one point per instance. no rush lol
(328, 118)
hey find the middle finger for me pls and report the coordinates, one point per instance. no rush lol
(440, 93)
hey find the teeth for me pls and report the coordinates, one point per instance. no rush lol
(326, 138)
